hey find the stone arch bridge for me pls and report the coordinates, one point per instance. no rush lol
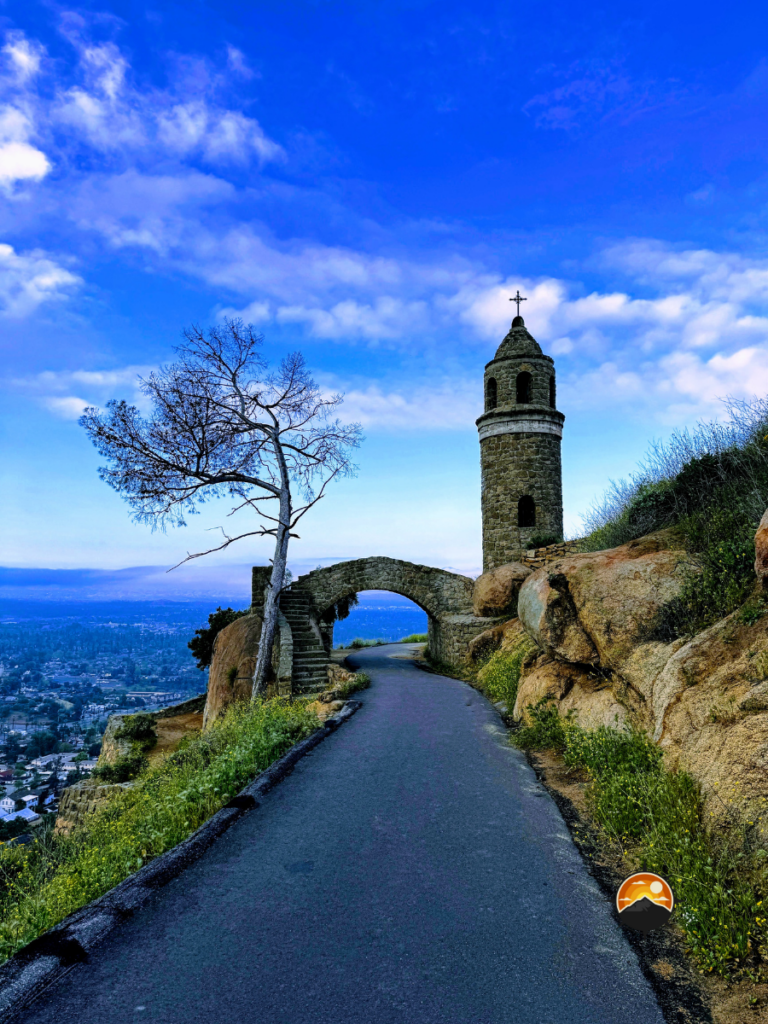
(446, 597)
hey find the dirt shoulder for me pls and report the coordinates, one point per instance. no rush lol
(685, 995)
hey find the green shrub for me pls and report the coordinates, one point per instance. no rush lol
(340, 610)
(605, 751)
(358, 643)
(499, 677)
(123, 769)
(43, 882)
(546, 730)
(721, 541)
(543, 540)
(415, 638)
(656, 817)
(202, 642)
(139, 729)
(719, 466)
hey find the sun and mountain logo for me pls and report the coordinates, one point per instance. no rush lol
(644, 901)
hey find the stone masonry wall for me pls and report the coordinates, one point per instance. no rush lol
(513, 465)
(449, 636)
(436, 591)
(505, 371)
(537, 558)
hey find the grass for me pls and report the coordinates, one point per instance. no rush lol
(43, 882)
(415, 638)
(656, 818)
(358, 643)
(361, 681)
(499, 677)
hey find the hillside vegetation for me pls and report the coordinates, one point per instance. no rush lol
(40, 884)
(711, 485)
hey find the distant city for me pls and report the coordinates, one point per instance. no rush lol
(66, 666)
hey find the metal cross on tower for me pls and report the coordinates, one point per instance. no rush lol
(518, 299)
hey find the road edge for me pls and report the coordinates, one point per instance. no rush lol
(30, 971)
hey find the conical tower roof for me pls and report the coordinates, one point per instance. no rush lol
(518, 342)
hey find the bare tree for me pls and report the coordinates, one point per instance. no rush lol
(223, 424)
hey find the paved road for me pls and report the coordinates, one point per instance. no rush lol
(411, 869)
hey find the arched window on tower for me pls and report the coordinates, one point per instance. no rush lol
(552, 395)
(524, 387)
(526, 511)
(491, 394)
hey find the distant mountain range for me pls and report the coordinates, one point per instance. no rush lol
(136, 583)
(196, 581)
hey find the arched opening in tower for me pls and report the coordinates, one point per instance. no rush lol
(524, 387)
(491, 394)
(552, 394)
(526, 511)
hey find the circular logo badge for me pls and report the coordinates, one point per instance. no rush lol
(644, 901)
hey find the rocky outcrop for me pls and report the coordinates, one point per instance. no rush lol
(593, 608)
(496, 592)
(703, 700)
(168, 727)
(575, 689)
(230, 677)
(338, 674)
(83, 799)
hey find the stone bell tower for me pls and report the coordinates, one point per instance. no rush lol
(520, 433)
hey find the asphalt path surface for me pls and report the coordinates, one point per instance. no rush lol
(411, 869)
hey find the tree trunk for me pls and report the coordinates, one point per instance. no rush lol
(271, 601)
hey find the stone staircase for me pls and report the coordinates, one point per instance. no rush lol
(310, 662)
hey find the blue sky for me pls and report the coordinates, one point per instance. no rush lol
(369, 182)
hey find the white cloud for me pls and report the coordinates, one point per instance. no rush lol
(69, 408)
(386, 318)
(155, 212)
(19, 160)
(215, 133)
(61, 391)
(453, 404)
(102, 107)
(24, 56)
(237, 62)
(28, 280)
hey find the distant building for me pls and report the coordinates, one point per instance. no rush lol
(47, 760)
(29, 816)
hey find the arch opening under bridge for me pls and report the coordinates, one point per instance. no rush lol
(446, 597)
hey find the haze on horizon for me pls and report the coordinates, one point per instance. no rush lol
(369, 184)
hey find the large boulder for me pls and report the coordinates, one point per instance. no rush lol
(547, 611)
(234, 661)
(576, 690)
(595, 608)
(495, 592)
(710, 715)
